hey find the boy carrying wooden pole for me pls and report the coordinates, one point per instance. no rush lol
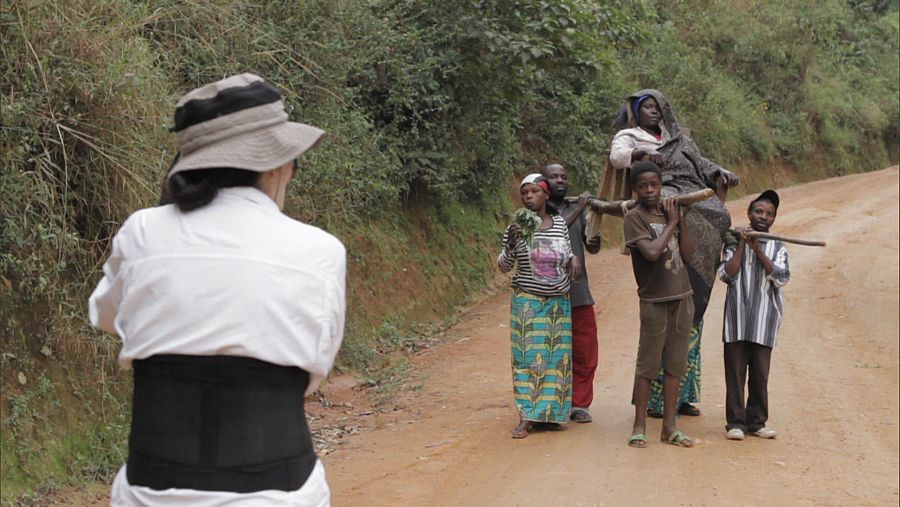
(755, 270)
(661, 246)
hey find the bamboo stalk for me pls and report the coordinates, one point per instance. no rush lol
(766, 235)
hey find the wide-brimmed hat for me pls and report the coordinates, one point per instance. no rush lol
(239, 122)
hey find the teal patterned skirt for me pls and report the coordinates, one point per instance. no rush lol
(689, 392)
(541, 339)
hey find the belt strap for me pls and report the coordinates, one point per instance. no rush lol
(218, 423)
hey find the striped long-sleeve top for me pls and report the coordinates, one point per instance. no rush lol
(542, 267)
(754, 305)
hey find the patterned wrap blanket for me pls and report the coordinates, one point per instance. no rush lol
(685, 170)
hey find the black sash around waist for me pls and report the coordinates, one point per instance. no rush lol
(218, 423)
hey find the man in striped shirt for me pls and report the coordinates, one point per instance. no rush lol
(755, 270)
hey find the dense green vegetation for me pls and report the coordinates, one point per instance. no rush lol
(432, 108)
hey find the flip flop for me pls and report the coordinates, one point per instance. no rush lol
(581, 415)
(654, 414)
(677, 438)
(521, 432)
(638, 441)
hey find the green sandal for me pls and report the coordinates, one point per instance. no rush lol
(679, 439)
(638, 440)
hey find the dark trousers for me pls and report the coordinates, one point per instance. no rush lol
(742, 358)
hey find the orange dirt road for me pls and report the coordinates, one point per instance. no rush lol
(833, 391)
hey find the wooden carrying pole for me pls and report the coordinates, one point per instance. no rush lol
(766, 235)
(619, 208)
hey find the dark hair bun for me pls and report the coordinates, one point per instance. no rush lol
(190, 190)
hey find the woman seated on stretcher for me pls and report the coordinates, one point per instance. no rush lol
(650, 131)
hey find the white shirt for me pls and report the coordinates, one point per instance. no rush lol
(313, 493)
(236, 277)
(628, 140)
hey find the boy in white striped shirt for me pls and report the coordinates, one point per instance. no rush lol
(755, 270)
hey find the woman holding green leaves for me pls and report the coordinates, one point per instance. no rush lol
(537, 244)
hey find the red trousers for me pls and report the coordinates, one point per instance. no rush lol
(585, 353)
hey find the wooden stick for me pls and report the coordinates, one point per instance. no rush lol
(700, 195)
(611, 207)
(766, 235)
(618, 208)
